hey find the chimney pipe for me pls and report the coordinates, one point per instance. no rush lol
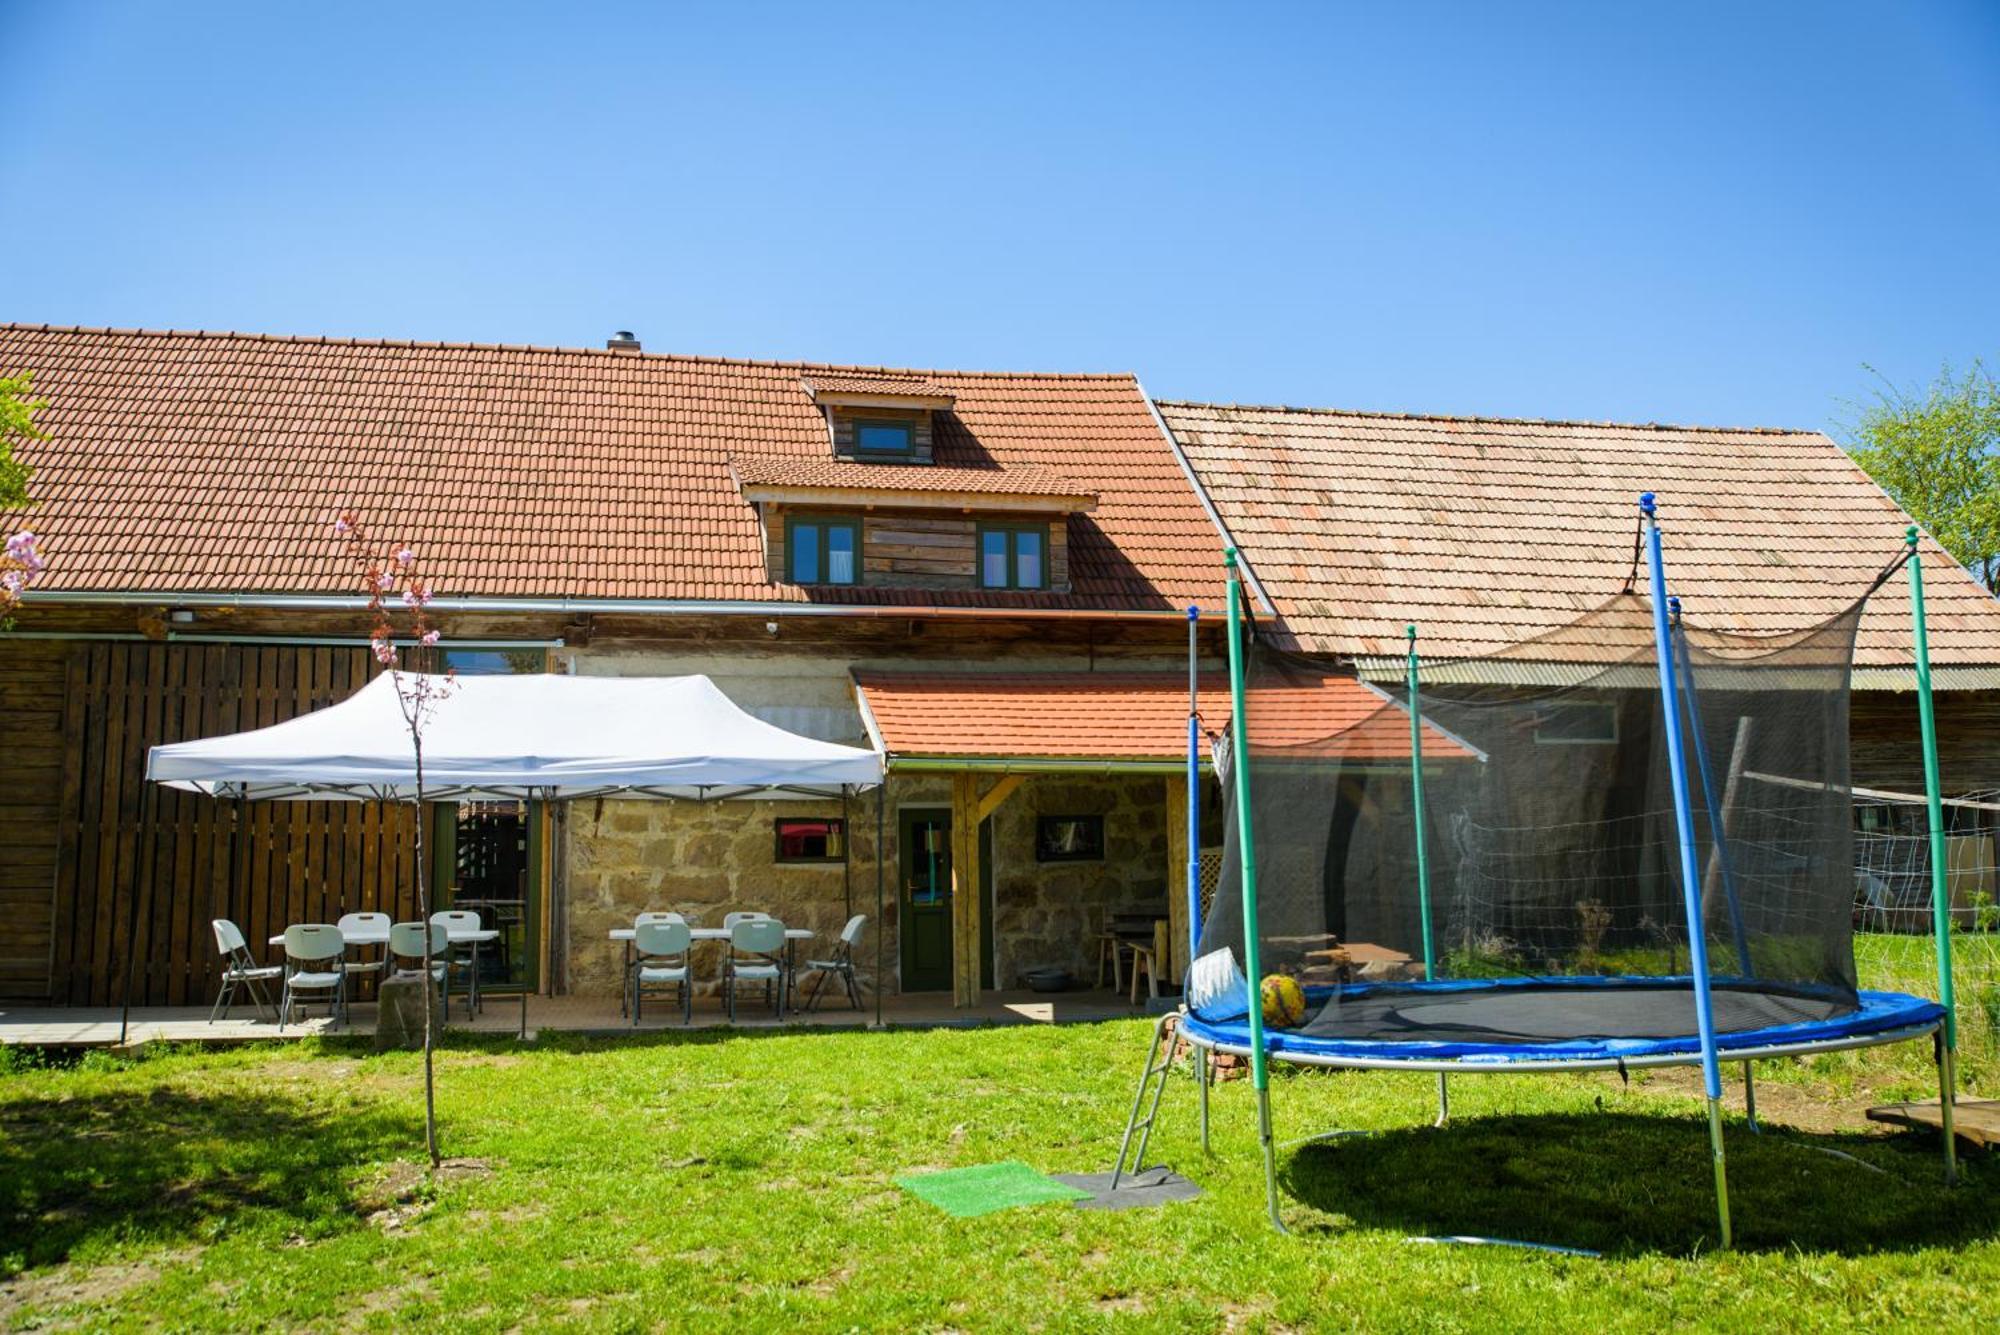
(623, 341)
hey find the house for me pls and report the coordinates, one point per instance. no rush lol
(840, 548)
(1486, 533)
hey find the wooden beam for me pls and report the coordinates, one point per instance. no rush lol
(1172, 963)
(965, 905)
(998, 794)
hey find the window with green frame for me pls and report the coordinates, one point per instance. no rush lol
(1013, 556)
(884, 436)
(823, 549)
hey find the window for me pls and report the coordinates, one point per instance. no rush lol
(1069, 838)
(1584, 723)
(884, 437)
(812, 839)
(824, 551)
(1013, 556)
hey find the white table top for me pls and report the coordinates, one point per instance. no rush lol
(715, 933)
(365, 936)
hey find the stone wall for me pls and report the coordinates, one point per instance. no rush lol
(706, 859)
(1049, 913)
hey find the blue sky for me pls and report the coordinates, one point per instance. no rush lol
(1664, 212)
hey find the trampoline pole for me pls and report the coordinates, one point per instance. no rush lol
(1423, 852)
(1193, 794)
(1670, 714)
(1246, 852)
(1201, 1073)
(1940, 890)
(1717, 838)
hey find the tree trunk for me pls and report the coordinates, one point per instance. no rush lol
(424, 916)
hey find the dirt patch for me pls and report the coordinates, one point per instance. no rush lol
(69, 1285)
(406, 1191)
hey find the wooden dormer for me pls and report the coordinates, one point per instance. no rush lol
(879, 419)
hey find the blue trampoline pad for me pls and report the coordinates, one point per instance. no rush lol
(1527, 1020)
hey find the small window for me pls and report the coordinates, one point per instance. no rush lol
(884, 437)
(825, 551)
(812, 839)
(1584, 723)
(1069, 839)
(1013, 557)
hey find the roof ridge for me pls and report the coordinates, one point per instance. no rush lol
(1484, 418)
(333, 340)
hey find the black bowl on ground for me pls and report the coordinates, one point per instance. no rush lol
(1048, 980)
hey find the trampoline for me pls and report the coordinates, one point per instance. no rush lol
(1622, 845)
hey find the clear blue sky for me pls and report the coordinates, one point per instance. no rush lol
(1661, 212)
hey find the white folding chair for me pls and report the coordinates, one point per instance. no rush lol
(651, 915)
(756, 955)
(841, 966)
(662, 951)
(406, 948)
(240, 969)
(352, 925)
(731, 919)
(313, 964)
(463, 958)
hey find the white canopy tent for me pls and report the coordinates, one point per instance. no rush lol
(539, 737)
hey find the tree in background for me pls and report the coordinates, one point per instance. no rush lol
(20, 561)
(1937, 453)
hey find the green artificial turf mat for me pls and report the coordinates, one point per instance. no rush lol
(986, 1187)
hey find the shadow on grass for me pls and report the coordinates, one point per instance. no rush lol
(1623, 1183)
(166, 1165)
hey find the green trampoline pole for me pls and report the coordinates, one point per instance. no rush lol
(1940, 891)
(1246, 853)
(1423, 852)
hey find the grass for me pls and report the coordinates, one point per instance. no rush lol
(747, 1182)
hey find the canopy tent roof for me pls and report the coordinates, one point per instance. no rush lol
(508, 737)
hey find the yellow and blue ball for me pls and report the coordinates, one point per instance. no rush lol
(1284, 1002)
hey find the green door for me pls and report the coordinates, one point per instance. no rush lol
(924, 839)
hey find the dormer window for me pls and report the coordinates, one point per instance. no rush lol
(824, 550)
(882, 436)
(1013, 556)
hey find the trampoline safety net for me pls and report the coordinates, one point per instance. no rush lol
(1556, 907)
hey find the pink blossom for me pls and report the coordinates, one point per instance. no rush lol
(430, 637)
(342, 527)
(405, 556)
(409, 597)
(385, 581)
(13, 581)
(22, 546)
(385, 652)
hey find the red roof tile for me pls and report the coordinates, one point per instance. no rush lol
(887, 386)
(1014, 480)
(207, 462)
(1126, 716)
(1486, 532)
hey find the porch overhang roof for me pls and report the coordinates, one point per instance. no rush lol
(1114, 722)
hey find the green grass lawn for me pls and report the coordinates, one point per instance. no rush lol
(746, 1181)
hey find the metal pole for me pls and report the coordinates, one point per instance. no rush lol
(1940, 890)
(1670, 714)
(1193, 792)
(1717, 836)
(1246, 852)
(881, 900)
(1423, 850)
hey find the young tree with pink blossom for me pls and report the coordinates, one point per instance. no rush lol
(20, 559)
(398, 592)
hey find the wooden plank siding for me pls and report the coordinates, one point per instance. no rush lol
(84, 839)
(1887, 754)
(915, 549)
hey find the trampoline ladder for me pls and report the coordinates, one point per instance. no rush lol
(1155, 1078)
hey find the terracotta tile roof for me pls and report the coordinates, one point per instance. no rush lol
(1014, 480)
(1488, 531)
(201, 462)
(888, 386)
(1124, 716)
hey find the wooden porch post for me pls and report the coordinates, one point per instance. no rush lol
(1174, 963)
(966, 910)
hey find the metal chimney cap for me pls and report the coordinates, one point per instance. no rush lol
(623, 341)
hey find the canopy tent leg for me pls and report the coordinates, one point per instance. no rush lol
(1947, 1040)
(1670, 717)
(881, 888)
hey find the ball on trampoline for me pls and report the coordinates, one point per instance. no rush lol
(1284, 1003)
